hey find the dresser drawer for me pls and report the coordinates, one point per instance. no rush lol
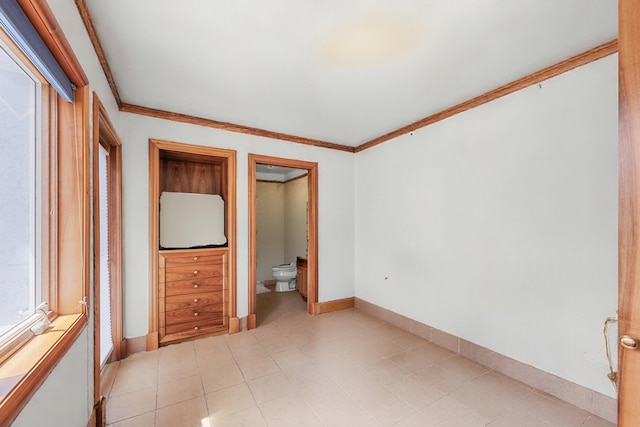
(193, 260)
(194, 285)
(192, 272)
(193, 300)
(194, 326)
(206, 312)
(192, 293)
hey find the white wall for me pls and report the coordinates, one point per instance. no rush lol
(504, 234)
(62, 398)
(281, 223)
(270, 228)
(335, 206)
(295, 221)
(499, 225)
(66, 396)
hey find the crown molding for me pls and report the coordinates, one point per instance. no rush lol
(231, 127)
(97, 46)
(584, 58)
(579, 60)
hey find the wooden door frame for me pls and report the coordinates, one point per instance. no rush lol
(629, 211)
(104, 134)
(155, 146)
(312, 227)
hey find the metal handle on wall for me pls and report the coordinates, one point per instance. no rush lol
(613, 376)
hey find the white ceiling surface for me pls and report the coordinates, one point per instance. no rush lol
(340, 71)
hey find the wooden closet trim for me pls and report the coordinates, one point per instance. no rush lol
(230, 207)
(312, 225)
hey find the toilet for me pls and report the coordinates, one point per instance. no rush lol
(285, 276)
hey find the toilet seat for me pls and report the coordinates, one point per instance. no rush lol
(284, 267)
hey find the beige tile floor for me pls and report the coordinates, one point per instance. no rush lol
(339, 369)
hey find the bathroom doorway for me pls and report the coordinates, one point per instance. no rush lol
(301, 242)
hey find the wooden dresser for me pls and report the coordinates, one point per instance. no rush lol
(192, 293)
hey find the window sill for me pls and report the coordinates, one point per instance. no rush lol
(27, 368)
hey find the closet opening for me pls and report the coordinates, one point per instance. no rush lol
(192, 214)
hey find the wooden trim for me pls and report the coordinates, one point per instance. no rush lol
(628, 211)
(234, 325)
(66, 222)
(232, 220)
(312, 225)
(252, 321)
(73, 205)
(335, 305)
(104, 134)
(152, 342)
(83, 138)
(97, 46)
(99, 414)
(312, 249)
(231, 127)
(154, 221)
(584, 58)
(47, 26)
(579, 60)
(51, 221)
(93, 418)
(230, 231)
(96, 253)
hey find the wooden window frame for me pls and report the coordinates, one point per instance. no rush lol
(65, 217)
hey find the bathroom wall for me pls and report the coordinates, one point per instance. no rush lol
(281, 223)
(295, 223)
(270, 220)
(499, 225)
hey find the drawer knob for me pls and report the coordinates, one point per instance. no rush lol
(195, 300)
(195, 258)
(195, 313)
(195, 273)
(195, 285)
(196, 328)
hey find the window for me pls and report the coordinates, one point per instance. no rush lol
(44, 214)
(19, 199)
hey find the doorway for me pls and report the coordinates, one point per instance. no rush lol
(107, 220)
(312, 228)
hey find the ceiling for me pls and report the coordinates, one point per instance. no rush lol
(277, 173)
(343, 72)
